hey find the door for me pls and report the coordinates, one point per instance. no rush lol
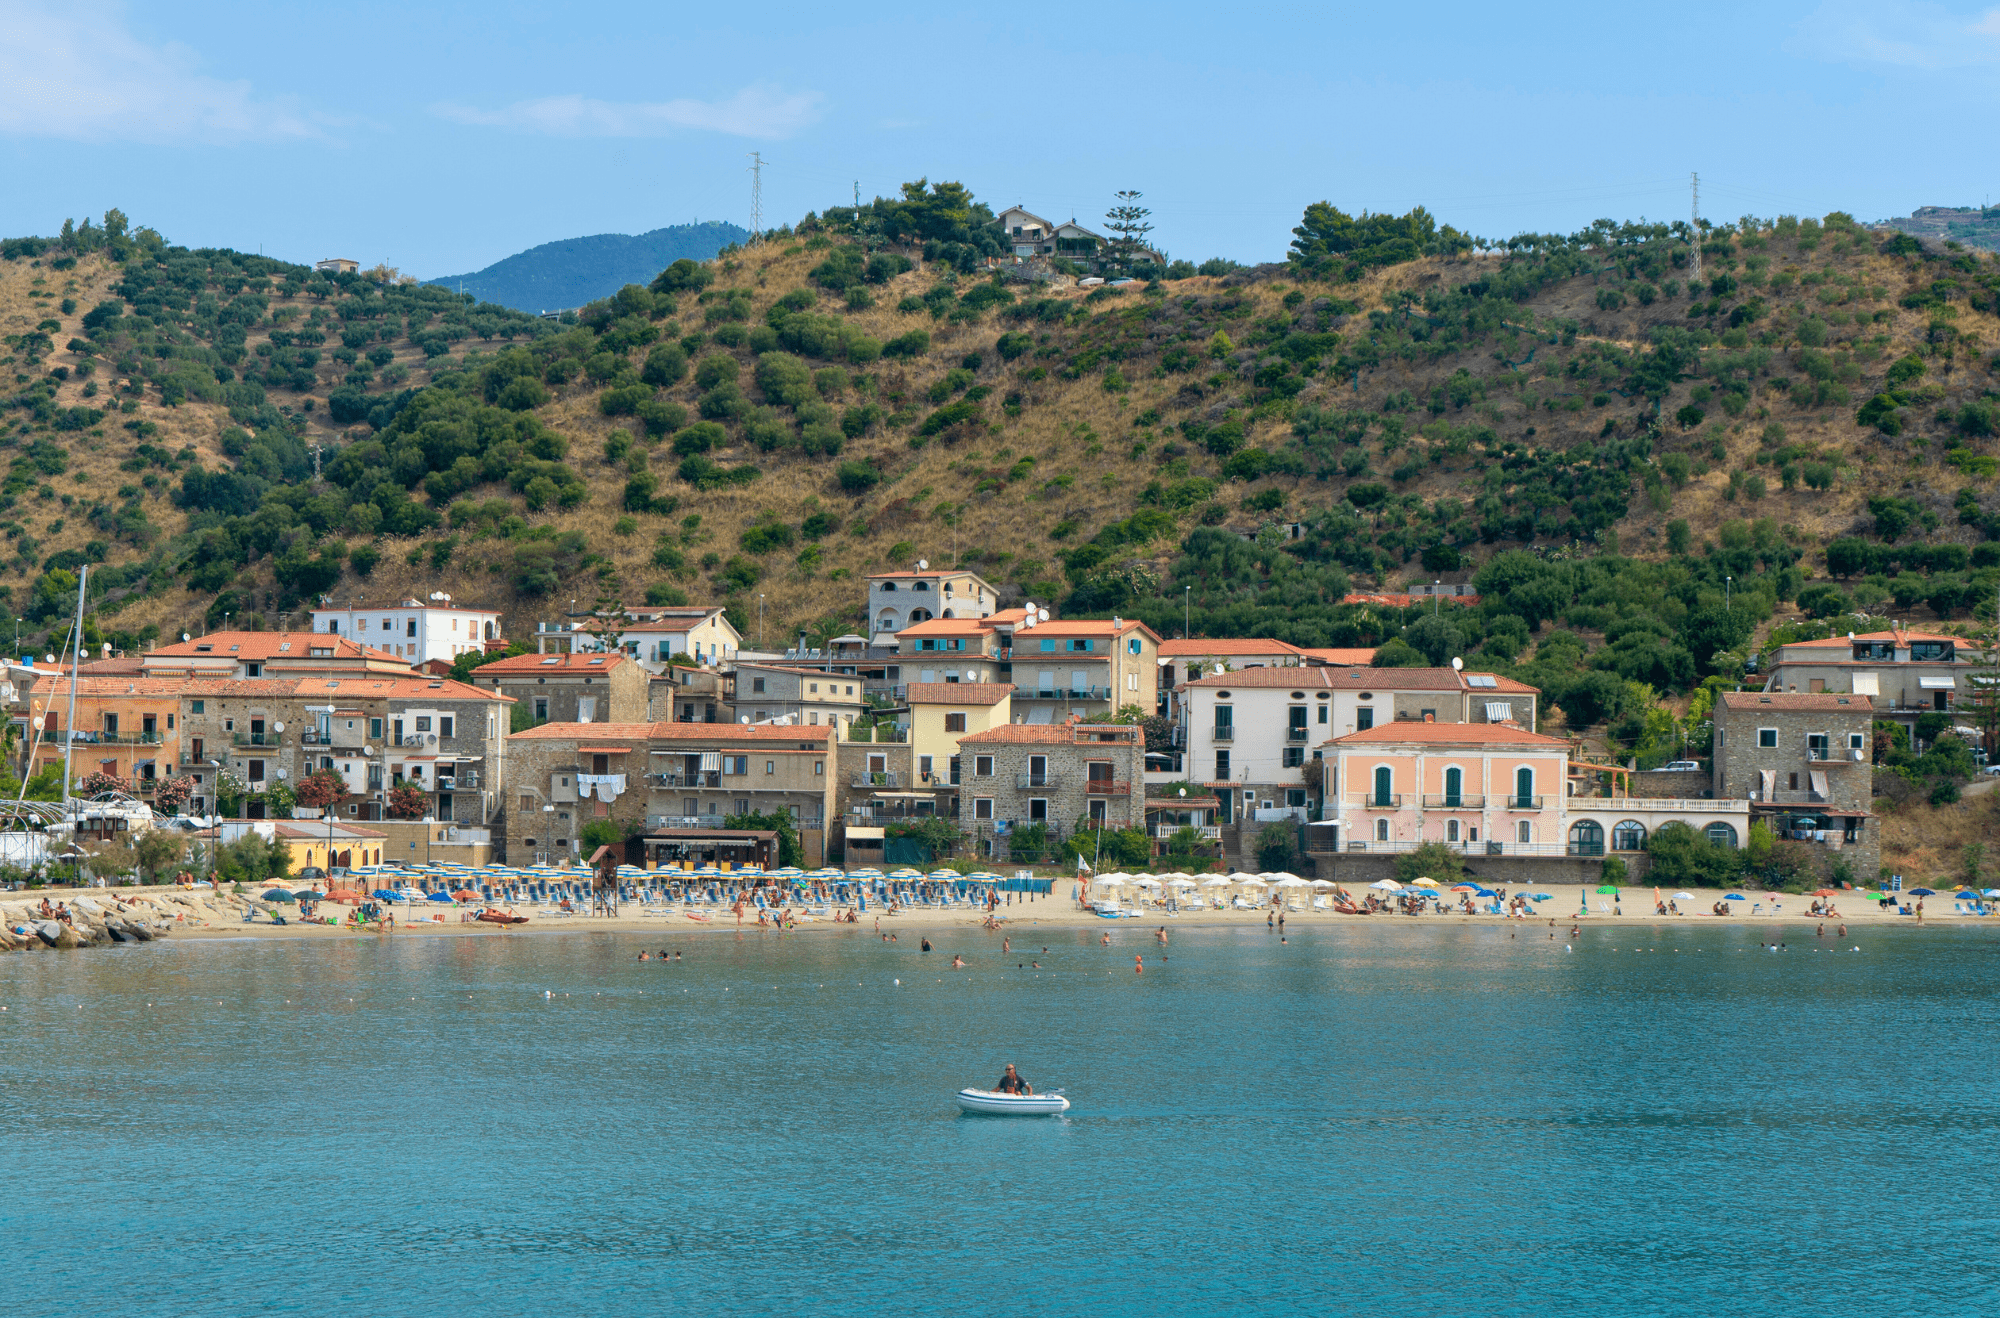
(1100, 775)
(1079, 684)
(256, 732)
(1038, 771)
(1524, 789)
(1297, 731)
(396, 726)
(1454, 784)
(1385, 783)
(1045, 681)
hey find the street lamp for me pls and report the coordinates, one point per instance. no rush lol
(760, 620)
(1187, 613)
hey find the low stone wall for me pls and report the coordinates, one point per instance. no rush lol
(1359, 869)
(1687, 784)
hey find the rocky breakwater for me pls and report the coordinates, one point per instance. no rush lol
(99, 917)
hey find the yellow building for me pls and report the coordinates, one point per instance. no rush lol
(310, 842)
(943, 712)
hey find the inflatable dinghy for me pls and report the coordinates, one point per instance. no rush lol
(993, 1103)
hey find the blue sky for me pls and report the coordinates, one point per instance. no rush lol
(440, 137)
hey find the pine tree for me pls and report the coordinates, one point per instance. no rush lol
(1128, 220)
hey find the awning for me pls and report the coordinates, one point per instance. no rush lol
(1867, 684)
(863, 833)
(1769, 779)
(890, 796)
(1936, 683)
(1818, 779)
(711, 761)
(1498, 711)
(1041, 714)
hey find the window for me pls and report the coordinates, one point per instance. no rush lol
(982, 766)
(1364, 719)
(1132, 646)
(954, 722)
(1322, 714)
(1222, 766)
(541, 710)
(1385, 786)
(819, 768)
(445, 725)
(1586, 838)
(1524, 832)
(409, 627)
(757, 684)
(736, 764)
(1225, 723)
(1721, 834)
(1854, 742)
(1381, 830)
(982, 807)
(770, 767)
(197, 706)
(1451, 830)
(1629, 835)
(1038, 810)
(813, 687)
(924, 765)
(527, 803)
(1048, 646)
(1767, 737)
(375, 727)
(1524, 789)
(1294, 756)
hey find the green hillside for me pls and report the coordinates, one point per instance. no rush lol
(1641, 472)
(568, 273)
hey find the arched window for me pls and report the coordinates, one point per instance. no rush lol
(919, 615)
(1384, 786)
(1629, 835)
(1721, 834)
(1454, 790)
(1451, 827)
(921, 585)
(1524, 832)
(887, 622)
(1524, 789)
(888, 587)
(1586, 838)
(949, 614)
(1381, 830)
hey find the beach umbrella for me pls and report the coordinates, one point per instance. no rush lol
(1386, 885)
(1322, 885)
(443, 897)
(1966, 896)
(1683, 896)
(1145, 881)
(1923, 892)
(1734, 897)
(1251, 881)
(1993, 892)
(1465, 887)
(1540, 897)
(1217, 882)
(344, 895)
(1291, 881)
(1423, 883)
(1824, 892)
(947, 875)
(384, 895)
(1180, 881)
(1278, 877)
(1608, 891)
(466, 895)
(279, 895)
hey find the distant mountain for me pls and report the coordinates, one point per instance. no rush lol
(573, 271)
(1975, 226)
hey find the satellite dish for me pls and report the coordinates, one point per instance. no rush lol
(367, 750)
(186, 637)
(1044, 615)
(431, 739)
(1850, 636)
(277, 727)
(923, 565)
(1457, 664)
(284, 773)
(1029, 606)
(744, 719)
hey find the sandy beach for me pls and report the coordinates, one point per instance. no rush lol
(205, 914)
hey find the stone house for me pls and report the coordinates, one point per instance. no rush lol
(689, 695)
(808, 696)
(269, 654)
(129, 726)
(1805, 763)
(570, 688)
(1067, 775)
(1904, 673)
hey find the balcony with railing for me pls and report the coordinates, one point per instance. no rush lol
(1378, 800)
(93, 737)
(264, 739)
(1223, 732)
(1025, 781)
(879, 812)
(715, 821)
(1455, 801)
(1062, 693)
(1465, 848)
(876, 778)
(682, 778)
(1207, 832)
(1297, 734)
(1516, 802)
(1107, 787)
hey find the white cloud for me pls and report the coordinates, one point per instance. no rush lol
(759, 110)
(75, 72)
(1909, 35)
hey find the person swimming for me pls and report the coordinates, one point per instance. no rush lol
(958, 963)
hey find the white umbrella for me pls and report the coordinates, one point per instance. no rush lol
(1115, 876)
(1423, 883)
(1180, 874)
(1683, 896)
(1217, 882)
(1180, 881)
(1251, 881)
(1111, 881)
(1292, 881)
(1145, 881)
(1323, 885)
(1386, 885)
(1280, 876)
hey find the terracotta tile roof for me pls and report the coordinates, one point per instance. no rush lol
(1083, 627)
(91, 686)
(934, 572)
(553, 663)
(1061, 734)
(264, 646)
(1900, 637)
(395, 688)
(1350, 658)
(1451, 734)
(596, 731)
(1202, 647)
(949, 627)
(735, 732)
(959, 693)
(1750, 701)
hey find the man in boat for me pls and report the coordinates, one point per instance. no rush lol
(1012, 1083)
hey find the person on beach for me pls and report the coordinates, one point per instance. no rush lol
(1161, 935)
(1013, 1083)
(958, 962)
(1104, 941)
(926, 946)
(1006, 945)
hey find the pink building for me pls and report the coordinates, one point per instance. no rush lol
(1396, 786)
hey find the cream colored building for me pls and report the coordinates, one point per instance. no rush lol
(941, 713)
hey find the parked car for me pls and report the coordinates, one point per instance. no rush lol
(1681, 766)
(1991, 768)
(1751, 664)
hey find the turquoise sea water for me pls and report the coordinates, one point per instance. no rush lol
(1380, 1119)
